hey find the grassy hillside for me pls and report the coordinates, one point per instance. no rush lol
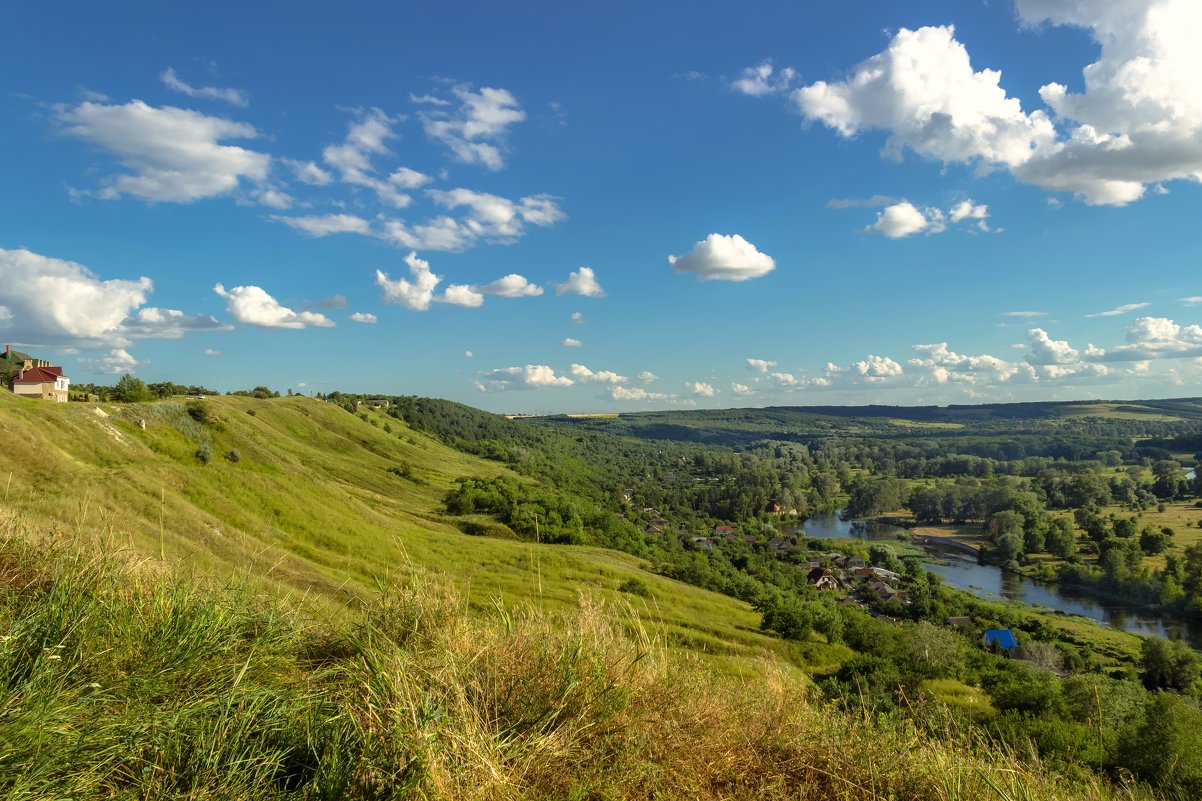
(312, 504)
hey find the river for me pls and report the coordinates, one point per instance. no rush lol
(991, 582)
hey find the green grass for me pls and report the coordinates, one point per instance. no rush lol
(311, 506)
(122, 678)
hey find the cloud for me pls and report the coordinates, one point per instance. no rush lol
(476, 131)
(513, 286)
(464, 295)
(253, 306)
(213, 353)
(763, 80)
(1138, 122)
(1124, 309)
(699, 389)
(568, 342)
(531, 376)
(116, 362)
(497, 219)
(1024, 314)
(440, 233)
(587, 376)
(967, 210)
(364, 317)
(581, 282)
(1153, 338)
(648, 377)
(1193, 300)
(416, 294)
(723, 258)
(307, 172)
(154, 323)
(366, 137)
(760, 365)
(903, 219)
(325, 224)
(637, 394)
(234, 97)
(490, 218)
(174, 155)
(943, 365)
(467, 354)
(1045, 350)
(741, 389)
(577, 318)
(923, 91)
(332, 302)
(854, 203)
(275, 198)
(49, 301)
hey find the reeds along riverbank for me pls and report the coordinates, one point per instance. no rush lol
(121, 677)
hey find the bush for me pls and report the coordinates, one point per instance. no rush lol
(204, 453)
(233, 455)
(635, 586)
(198, 411)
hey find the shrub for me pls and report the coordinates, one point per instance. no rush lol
(233, 455)
(635, 586)
(204, 453)
(251, 412)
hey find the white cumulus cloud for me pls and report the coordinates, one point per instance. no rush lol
(364, 317)
(723, 258)
(415, 294)
(462, 295)
(115, 362)
(760, 365)
(531, 376)
(568, 342)
(581, 282)
(253, 306)
(699, 389)
(587, 376)
(648, 377)
(49, 301)
(513, 286)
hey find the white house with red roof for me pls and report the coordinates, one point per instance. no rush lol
(35, 378)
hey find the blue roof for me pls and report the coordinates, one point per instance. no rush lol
(1004, 638)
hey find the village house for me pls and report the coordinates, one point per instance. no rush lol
(703, 542)
(823, 579)
(35, 378)
(653, 531)
(720, 530)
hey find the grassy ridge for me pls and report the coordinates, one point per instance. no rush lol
(124, 679)
(311, 505)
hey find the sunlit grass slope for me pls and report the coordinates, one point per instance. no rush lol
(311, 504)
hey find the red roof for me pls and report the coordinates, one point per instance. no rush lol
(724, 528)
(39, 375)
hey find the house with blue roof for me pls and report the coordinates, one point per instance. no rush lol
(1003, 639)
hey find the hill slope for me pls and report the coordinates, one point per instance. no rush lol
(310, 502)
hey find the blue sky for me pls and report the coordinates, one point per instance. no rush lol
(616, 207)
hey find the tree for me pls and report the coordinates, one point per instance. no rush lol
(132, 390)
(1061, 539)
(1167, 665)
